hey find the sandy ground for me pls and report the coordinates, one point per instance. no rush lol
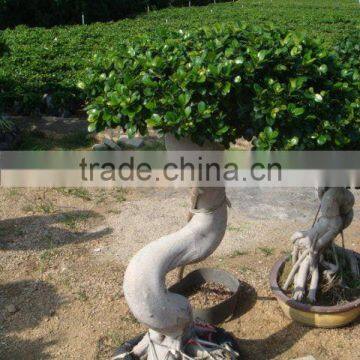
(63, 254)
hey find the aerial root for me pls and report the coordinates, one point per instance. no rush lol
(306, 270)
(335, 213)
(295, 269)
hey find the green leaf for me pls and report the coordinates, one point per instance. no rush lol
(293, 141)
(223, 130)
(147, 81)
(318, 98)
(156, 118)
(237, 79)
(322, 139)
(226, 89)
(188, 111)
(298, 111)
(323, 69)
(268, 131)
(150, 105)
(296, 50)
(92, 127)
(131, 51)
(201, 107)
(171, 117)
(274, 112)
(261, 55)
(81, 85)
(184, 99)
(229, 52)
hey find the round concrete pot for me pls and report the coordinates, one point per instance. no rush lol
(315, 316)
(220, 312)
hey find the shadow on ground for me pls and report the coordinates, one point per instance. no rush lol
(23, 305)
(246, 301)
(272, 346)
(40, 232)
(275, 344)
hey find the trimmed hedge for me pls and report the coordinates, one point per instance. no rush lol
(47, 13)
(220, 83)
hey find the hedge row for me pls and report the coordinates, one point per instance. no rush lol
(47, 13)
(41, 67)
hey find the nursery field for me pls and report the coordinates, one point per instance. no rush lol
(41, 67)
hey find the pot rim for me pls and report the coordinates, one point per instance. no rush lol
(221, 311)
(281, 296)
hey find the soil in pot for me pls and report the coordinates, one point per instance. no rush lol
(330, 295)
(208, 295)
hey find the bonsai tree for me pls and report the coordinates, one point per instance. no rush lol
(282, 90)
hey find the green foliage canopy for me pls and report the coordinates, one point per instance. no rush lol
(224, 82)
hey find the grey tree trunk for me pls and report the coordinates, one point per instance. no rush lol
(169, 315)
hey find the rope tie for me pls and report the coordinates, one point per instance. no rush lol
(211, 210)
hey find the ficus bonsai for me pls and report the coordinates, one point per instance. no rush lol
(281, 90)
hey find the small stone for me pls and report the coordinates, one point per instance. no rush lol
(309, 357)
(100, 147)
(111, 144)
(133, 143)
(11, 309)
(97, 250)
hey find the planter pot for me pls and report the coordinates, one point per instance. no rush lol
(315, 316)
(220, 312)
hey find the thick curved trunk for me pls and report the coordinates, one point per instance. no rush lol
(169, 315)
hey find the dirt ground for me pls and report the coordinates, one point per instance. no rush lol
(63, 253)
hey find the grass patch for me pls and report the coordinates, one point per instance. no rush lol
(46, 207)
(82, 296)
(46, 258)
(116, 337)
(237, 253)
(71, 220)
(233, 228)
(42, 206)
(120, 195)
(267, 251)
(81, 193)
(13, 192)
(245, 269)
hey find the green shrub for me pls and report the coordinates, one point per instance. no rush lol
(224, 82)
(51, 61)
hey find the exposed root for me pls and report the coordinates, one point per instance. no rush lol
(295, 268)
(205, 342)
(310, 246)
